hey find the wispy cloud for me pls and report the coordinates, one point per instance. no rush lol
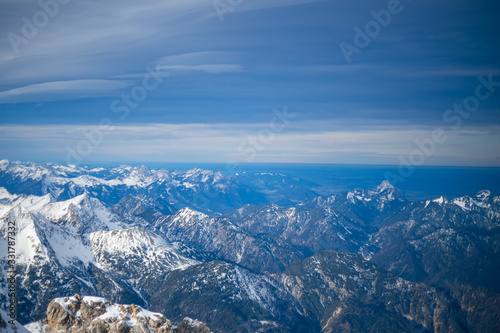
(266, 4)
(195, 58)
(212, 62)
(61, 90)
(212, 69)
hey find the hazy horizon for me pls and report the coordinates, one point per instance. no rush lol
(419, 183)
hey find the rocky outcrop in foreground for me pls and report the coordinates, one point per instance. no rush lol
(87, 314)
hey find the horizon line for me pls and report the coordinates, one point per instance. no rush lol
(146, 163)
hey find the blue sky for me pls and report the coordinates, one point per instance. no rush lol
(219, 83)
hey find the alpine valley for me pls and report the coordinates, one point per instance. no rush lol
(258, 252)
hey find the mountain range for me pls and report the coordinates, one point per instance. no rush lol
(251, 252)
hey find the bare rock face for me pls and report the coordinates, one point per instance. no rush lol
(189, 325)
(60, 318)
(78, 314)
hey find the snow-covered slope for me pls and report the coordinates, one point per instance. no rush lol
(137, 256)
(81, 245)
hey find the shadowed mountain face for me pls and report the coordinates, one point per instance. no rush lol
(344, 291)
(216, 248)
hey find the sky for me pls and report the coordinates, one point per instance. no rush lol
(285, 81)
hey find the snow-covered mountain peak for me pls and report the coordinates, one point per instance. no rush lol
(30, 171)
(65, 210)
(385, 185)
(463, 202)
(141, 176)
(483, 195)
(81, 200)
(66, 170)
(138, 176)
(189, 218)
(124, 239)
(482, 200)
(271, 207)
(31, 249)
(133, 246)
(31, 202)
(200, 175)
(4, 164)
(189, 214)
(194, 172)
(35, 203)
(163, 175)
(379, 197)
(324, 202)
(441, 200)
(5, 195)
(84, 212)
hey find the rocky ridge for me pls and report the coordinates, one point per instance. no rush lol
(88, 314)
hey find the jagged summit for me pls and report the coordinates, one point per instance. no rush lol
(189, 214)
(385, 185)
(79, 314)
(84, 212)
(379, 197)
(483, 195)
(440, 200)
(3, 164)
(483, 200)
